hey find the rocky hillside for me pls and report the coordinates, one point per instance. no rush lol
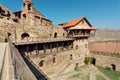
(105, 34)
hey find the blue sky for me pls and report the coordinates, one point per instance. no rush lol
(100, 13)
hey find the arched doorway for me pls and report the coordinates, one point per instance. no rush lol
(55, 35)
(113, 67)
(93, 61)
(41, 63)
(24, 35)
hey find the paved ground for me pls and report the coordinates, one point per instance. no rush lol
(2, 53)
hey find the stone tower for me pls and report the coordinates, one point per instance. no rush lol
(27, 6)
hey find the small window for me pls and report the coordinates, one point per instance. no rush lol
(55, 35)
(63, 34)
(54, 60)
(45, 24)
(50, 35)
(86, 46)
(76, 47)
(71, 57)
(82, 22)
(7, 18)
(41, 21)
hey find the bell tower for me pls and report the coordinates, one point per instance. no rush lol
(27, 5)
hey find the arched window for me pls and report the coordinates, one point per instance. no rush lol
(29, 7)
(24, 16)
(55, 35)
(24, 6)
(41, 63)
(24, 35)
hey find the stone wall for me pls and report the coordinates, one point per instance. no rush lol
(106, 53)
(105, 46)
(21, 70)
(56, 61)
(106, 61)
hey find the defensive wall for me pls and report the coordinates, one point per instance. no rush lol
(106, 54)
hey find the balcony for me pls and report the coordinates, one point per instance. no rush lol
(80, 35)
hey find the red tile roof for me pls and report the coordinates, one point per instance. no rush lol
(72, 22)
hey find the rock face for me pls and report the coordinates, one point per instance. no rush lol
(105, 34)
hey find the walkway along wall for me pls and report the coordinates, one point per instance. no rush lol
(20, 69)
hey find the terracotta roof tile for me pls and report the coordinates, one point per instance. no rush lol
(72, 22)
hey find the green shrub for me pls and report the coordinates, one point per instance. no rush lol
(87, 60)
